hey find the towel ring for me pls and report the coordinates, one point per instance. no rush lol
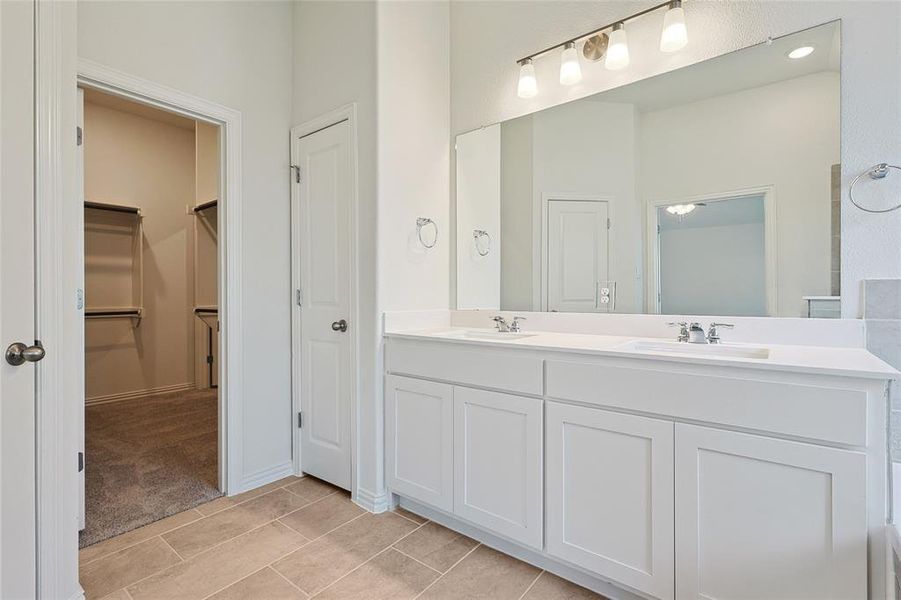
(478, 234)
(421, 222)
(876, 172)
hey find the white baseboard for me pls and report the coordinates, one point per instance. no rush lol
(374, 503)
(538, 559)
(263, 477)
(135, 394)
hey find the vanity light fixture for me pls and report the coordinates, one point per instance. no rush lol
(801, 52)
(570, 70)
(528, 85)
(674, 35)
(618, 50)
(612, 47)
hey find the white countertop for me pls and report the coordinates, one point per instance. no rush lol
(820, 360)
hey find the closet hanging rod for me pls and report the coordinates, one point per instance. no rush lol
(206, 310)
(109, 313)
(205, 205)
(113, 207)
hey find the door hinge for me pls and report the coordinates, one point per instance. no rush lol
(608, 222)
(299, 420)
(209, 359)
(80, 462)
(78, 136)
(79, 299)
(299, 297)
(296, 169)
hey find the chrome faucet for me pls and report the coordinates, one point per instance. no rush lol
(501, 324)
(515, 326)
(693, 333)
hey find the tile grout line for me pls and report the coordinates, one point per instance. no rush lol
(379, 553)
(408, 518)
(531, 585)
(234, 583)
(418, 527)
(414, 558)
(291, 583)
(183, 559)
(474, 548)
(324, 534)
(83, 563)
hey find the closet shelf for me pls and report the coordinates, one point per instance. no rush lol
(125, 312)
(119, 208)
(205, 205)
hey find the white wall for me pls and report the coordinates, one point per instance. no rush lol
(397, 73)
(784, 135)
(487, 38)
(237, 54)
(479, 207)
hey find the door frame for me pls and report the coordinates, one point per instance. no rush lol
(344, 113)
(539, 231)
(769, 239)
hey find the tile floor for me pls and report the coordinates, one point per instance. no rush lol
(300, 538)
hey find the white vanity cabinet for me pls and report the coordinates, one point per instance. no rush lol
(498, 460)
(610, 495)
(419, 427)
(765, 518)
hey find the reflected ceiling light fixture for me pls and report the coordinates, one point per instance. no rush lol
(528, 85)
(608, 43)
(680, 210)
(570, 70)
(801, 52)
(674, 35)
(618, 50)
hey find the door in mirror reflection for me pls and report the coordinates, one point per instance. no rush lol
(711, 257)
(576, 254)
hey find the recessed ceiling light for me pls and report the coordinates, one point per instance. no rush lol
(801, 52)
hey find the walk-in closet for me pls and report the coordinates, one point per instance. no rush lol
(151, 330)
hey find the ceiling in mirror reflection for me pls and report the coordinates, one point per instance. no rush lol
(570, 196)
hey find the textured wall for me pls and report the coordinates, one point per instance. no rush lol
(488, 37)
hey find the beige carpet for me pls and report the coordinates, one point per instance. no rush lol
(147, 459)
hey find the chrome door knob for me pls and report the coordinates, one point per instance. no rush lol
(18, 353)
(339, 325)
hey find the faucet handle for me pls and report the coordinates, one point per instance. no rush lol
(500, 322)
(713, 335)
(683, 330)
(514, 326)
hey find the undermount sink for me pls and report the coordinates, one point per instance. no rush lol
(708, 350)
(489, 334)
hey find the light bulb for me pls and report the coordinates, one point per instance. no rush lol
(674, 35)
(570, 70)
(528, 85)
(617, 49)
(801, 52)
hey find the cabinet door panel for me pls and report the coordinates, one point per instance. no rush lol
(498, 463)
(419, 433)
(610, 495)
(765, 518)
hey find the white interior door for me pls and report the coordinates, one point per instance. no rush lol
(17, 298)
(79, 343)
(576, 254)
(322, 253)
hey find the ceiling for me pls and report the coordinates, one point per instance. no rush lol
(744, 69)
(142, 110)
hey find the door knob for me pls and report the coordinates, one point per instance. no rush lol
(18, 353)
(339, 325)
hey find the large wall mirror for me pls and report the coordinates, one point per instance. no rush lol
(712, 189)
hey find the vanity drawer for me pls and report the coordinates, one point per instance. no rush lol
(817, 412)
(465, 364)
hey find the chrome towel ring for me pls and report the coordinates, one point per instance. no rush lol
(875, 172)
(421, 223)
(477, 236)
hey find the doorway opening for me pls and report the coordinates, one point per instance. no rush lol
(151, 443)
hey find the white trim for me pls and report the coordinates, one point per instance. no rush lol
(770, 265)
(268, 475)
(539, 251)
(374, 503)
(347, 113)
(136, 394)
(231, 364)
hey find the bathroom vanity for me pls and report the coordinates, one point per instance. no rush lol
(667, 469)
